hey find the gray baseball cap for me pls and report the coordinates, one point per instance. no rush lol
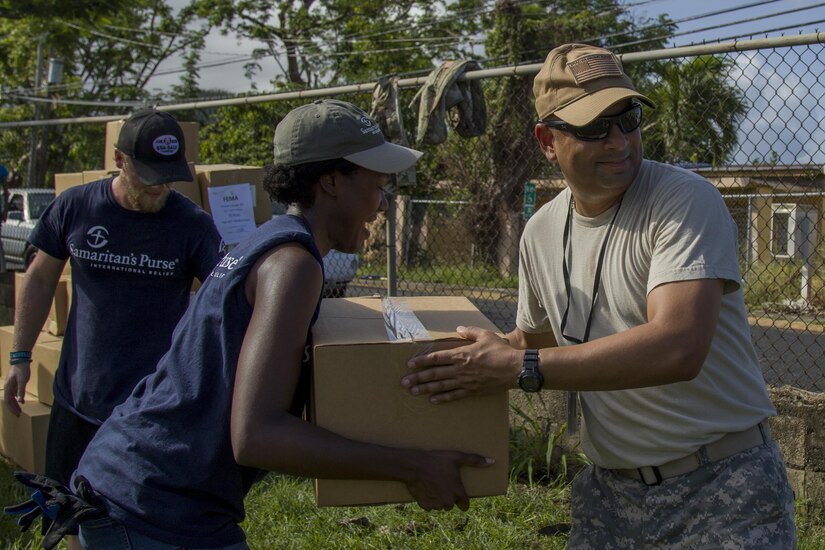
(330, 129)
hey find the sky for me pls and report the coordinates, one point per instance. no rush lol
(781, 120)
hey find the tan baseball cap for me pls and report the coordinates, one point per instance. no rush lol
(330, 129)
(577, 83)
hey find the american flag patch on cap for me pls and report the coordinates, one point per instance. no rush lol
(594, 66)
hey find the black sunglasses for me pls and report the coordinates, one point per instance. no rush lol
(599, 129)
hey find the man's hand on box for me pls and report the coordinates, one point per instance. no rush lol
(485, 365)
(14, 390)
(437, 484)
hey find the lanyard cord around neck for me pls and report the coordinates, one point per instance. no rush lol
(597, 279)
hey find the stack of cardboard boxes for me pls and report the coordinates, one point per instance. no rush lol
(23, 438)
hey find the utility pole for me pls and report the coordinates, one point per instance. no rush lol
(38, 79)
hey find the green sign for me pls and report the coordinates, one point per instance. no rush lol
(529, 194)
(529, 200)
(529, 210)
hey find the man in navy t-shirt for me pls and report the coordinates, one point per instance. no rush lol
(134, 246)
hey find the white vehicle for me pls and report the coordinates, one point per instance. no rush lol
(24, 209)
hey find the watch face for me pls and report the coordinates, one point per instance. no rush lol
(530, 383)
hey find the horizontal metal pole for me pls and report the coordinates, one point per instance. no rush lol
(775, 194)
(513, 70)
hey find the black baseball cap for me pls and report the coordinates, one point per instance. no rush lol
(155, 141)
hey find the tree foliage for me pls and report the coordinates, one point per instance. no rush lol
(109, 51)
(112, 50)
(329, 42)
(697, 114)
(518, 33)
(71, 9)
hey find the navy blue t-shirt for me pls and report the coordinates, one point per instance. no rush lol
(163, 461)
(131, 279)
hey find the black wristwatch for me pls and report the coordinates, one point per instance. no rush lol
(530, 379)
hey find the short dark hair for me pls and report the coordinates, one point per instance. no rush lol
(293, 184)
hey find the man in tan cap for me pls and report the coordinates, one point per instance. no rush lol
(630, 293)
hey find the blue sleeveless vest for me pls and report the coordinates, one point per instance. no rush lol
(163, 461)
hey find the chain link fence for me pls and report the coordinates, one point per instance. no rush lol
(750, 122)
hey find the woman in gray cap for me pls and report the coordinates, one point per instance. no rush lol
(172, 465)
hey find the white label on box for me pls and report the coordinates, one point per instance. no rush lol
(232, 211)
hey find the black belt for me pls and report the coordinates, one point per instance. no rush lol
(727, 445)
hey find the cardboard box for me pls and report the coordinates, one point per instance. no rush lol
(356, 391)
(215, 175)
(6, 340)
(94, 175)
(64, 181)
(190, 189)
(190, 136)
(23, 438)
(59, 312)
(45, 358)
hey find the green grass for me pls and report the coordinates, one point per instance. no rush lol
(281, 513)
(778, 281)
(461, 274)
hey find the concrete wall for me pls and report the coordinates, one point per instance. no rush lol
(798, 428)
(800, 431)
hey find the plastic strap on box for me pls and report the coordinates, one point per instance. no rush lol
(401, 322)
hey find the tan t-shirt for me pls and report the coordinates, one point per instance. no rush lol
(672, 226)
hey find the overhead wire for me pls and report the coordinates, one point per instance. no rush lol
(471, 41)
(461, 14)
(384, 32)
(728, 24)
(637, 30)
(111, 37)
(762, 32)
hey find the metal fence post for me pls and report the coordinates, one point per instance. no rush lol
(392, 276)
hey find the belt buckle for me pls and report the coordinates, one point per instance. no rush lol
(648, 472)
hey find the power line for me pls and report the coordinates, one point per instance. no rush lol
(511, 70)
(354, 37)
(110, 37)
(729, 24)
(248, 58)
(762, 32)
(477, 12)
(77, 101)
(661, 25)
(457, 40)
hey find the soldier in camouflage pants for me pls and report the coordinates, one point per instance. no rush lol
(630, 296)
(712, 507)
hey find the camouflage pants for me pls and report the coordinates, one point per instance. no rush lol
(741, 502)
